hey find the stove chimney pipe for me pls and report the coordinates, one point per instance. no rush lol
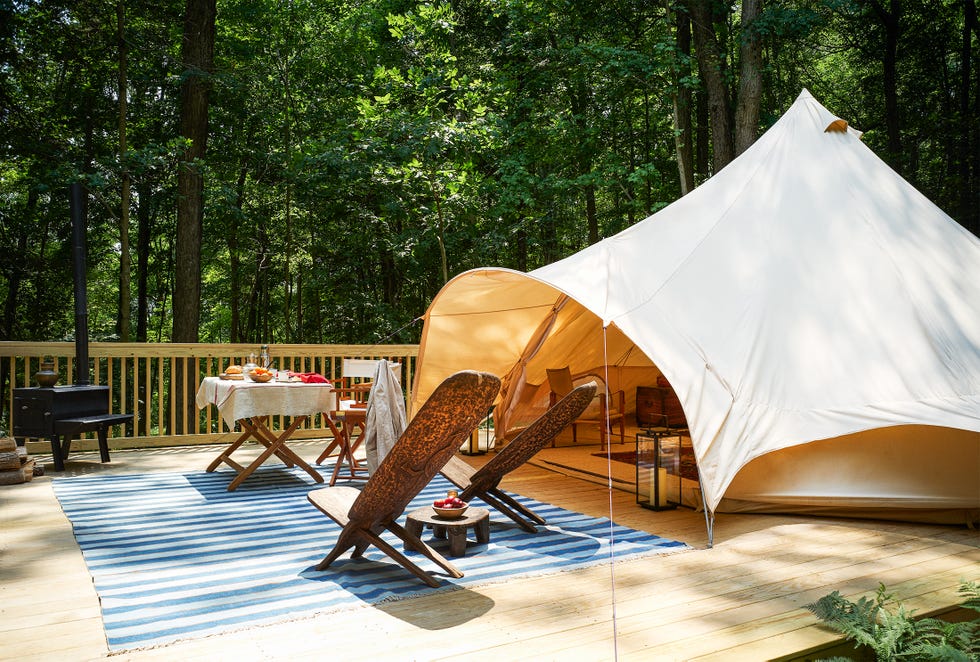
(78, 232)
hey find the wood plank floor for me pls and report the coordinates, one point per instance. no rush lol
(744, 599)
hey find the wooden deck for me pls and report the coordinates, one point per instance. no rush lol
(742, 600)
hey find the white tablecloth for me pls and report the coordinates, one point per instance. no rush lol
(236, 400)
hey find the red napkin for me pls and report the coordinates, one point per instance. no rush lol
(309, 377)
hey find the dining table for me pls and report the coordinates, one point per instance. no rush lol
(250, 407)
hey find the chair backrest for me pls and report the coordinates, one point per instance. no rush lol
(523, 447)
(437, 431)
(560, 381)
(364, 368)
(659, 405)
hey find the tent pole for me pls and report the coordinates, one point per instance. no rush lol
(709, 519)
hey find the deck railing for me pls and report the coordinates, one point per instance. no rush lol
(157, 382)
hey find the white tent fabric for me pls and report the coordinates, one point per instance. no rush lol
(385, 419)
(804, 293)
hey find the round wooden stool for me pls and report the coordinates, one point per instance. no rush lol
(454, 529)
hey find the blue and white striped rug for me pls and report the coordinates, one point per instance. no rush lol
(175, 555)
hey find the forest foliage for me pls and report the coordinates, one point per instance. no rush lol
(359, 154)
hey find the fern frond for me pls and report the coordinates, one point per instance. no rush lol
(970, 591)
(895, 634)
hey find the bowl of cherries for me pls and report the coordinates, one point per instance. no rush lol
(450, 507)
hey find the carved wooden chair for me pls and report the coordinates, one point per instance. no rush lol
(483, 482)
(437, 431)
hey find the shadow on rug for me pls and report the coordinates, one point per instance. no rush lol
(175, 556)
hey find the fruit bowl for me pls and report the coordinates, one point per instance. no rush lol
(451, 507)
(260, 375)
(451, 513)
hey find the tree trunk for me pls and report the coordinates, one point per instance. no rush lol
(683, 139)
(288, 204)
(143, 234)
(750, 78)
(198, 61)
(891, 21)
(299, 305)
(440, 227)
(969, 206)
(579, 107)
(125, 264)
(10, 305)
(234, 257)
(18, 269)
(702, 136)
(711, 64)
(520, 241)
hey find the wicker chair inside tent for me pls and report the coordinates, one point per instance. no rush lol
(609, 407)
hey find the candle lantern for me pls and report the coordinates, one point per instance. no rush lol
(658, 475)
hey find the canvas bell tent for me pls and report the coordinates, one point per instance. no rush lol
(817, 316)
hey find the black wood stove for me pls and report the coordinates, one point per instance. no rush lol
(60, 413)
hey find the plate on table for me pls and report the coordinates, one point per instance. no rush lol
(225, 375)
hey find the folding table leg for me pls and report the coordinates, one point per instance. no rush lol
(266, 437)
(225, 455)
(276, 445)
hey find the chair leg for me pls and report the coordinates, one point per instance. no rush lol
(420, 545)
(331, 557)
(506, 510)
(344, 542)
(516, 505)
(336, 442)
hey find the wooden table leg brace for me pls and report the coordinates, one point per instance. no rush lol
(274, 445)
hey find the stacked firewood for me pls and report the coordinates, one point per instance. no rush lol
(16, 466)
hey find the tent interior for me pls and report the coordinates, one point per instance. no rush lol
(904, 472)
